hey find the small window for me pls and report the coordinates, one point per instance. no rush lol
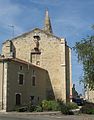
(18, 99)
(21, 67)
(21, 78)
(33, 81)
(35, 58)
(33, 72)
(38, 56)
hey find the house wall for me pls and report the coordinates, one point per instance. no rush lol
(68, 73)
(26, 90)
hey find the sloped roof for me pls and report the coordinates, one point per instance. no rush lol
(36, 29)
(20, 61)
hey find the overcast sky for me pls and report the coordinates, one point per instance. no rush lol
(71, 19)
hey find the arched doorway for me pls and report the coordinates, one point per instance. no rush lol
(18, 99)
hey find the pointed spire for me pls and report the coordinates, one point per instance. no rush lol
(47, 23)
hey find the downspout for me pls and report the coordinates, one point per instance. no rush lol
(2, 84)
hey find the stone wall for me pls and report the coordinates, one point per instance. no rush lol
(26, 90)
(3, 85)
(89, 95)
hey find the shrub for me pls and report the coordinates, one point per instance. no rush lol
(45, 105)
(38, 109)
(31, 108)
(72, 105)
(88, 108)
(50, 105)
(64, 109)
(54, 106)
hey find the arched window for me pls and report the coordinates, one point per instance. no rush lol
(18, 99)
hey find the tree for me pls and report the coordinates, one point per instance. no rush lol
(85, 53)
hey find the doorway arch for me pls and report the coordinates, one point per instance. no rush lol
(18, 99)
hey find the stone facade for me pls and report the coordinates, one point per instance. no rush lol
(12, 68)
(50, 53)
(89, 95)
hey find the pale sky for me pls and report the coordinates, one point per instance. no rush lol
(71, 19)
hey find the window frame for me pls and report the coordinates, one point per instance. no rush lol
(16, 98)
(33, 81)
(37, 58)
(23, 78)
(20, 67)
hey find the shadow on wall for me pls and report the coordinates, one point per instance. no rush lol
(49, 89)
(67, 75)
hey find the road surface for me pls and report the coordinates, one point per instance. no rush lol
(26, 116)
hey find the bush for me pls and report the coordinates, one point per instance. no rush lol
(72, 105)
(88, 108)
(50, 105)
(45, 105)
(38, 109)
(54, 105)
(31, 108)
(64, 109)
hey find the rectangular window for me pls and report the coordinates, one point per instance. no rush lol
(20, 67)
(18, 99)
(33, 58)
(38, 56)
(33, 72)
(33, 81)
(21, 78)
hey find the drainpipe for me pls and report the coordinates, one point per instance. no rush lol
(2, 84)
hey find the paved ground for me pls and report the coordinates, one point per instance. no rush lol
(29, 116)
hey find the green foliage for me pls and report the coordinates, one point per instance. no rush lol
(85, 52)
(45, 105)
(31, 108)
(54, 105)
(66, 108)
(50, 105)
(88, 108)
(63, 107)
(72, 105)
(38, 109)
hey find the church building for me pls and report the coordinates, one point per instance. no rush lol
(33, 67)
